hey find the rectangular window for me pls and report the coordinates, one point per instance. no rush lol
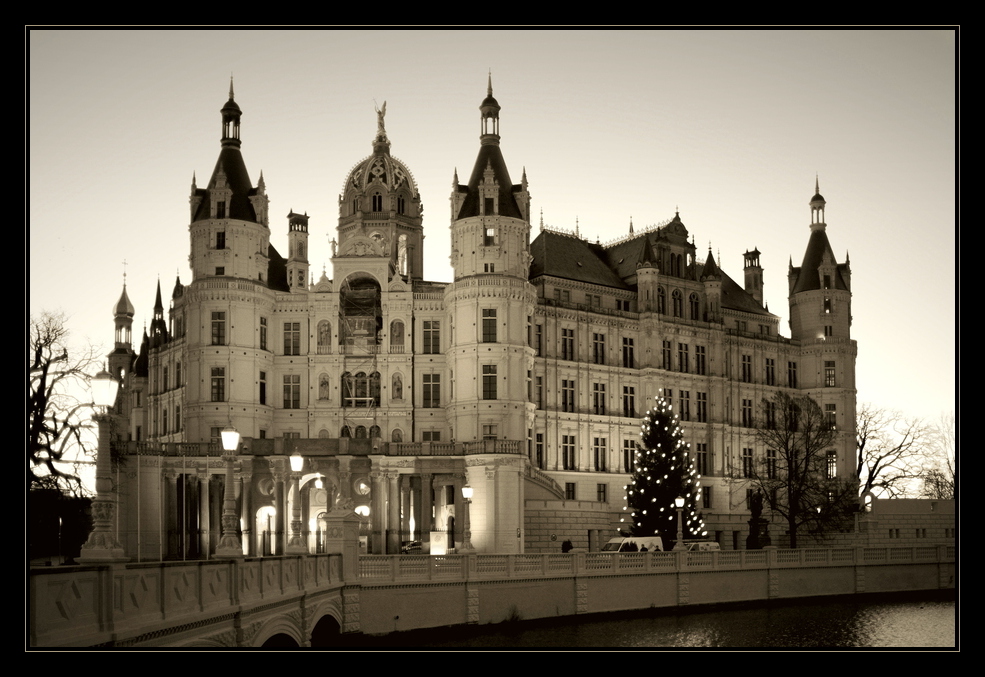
(432, 337)
(263, 387)
(683, 358)
(600, 449)
(539, 391)
(628, 455)
(770, 371)
(665, 354)
(602, 493)
(539, 450)
(292, 338)
(431, 436)
(684, 410)
(628, 356)
(568, 452)
(489, 431)
(431, 391)
(218, 328)
(218, 384)
(292, 391)
(832, 464)
(829, 330)
(567, 344)
(488, 325)
(598, 348)
(598, 398)
(747, 469)
(771, 464)
(747, 413)
(700, 361)
(702, 458)
(792, 374)
(489, 381)
(489, 267)
(829, 373)
(538, 340)
(831, 415)
(220, 237)
(569, 491)
(706, 498)
(769, 413)
(490, 234)
(747, 368)
(164, 377)
(702, 410)
(263, 333)
(629, 401)
(567, 395)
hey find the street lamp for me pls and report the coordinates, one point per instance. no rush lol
(295, 546)
(102, 545)
(467, 540)
(229, 545)
(679, 504)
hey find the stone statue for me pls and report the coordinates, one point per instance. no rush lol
(380, 114)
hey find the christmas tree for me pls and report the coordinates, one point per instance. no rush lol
(662, 471)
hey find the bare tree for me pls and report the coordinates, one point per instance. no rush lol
(796, 478)
(58, 384)
(891, 451)
(941, 470)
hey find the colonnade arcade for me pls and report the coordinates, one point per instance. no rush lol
(415, 502)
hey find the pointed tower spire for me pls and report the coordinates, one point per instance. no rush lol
(631, 225)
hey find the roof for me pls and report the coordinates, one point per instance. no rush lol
(818, 248)
(490, 155)
(230, 164)
(570, 257)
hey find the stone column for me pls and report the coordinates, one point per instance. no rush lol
(376, 515)
(427, 511)
(244, 485)
(170, 517)
(393, 517)
(280, 505)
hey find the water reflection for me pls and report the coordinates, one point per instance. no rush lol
(908, 621)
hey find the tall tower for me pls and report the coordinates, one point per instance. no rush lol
(821, 320)
(490, 305)
(297, 255)
(753, 274)
(121, 359)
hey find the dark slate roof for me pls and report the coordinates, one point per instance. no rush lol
(231, 163)
(737, 298)
(572, 258)
(808, 278)
(490, 154)
(140, 364)
(276, 270)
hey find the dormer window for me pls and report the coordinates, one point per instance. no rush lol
(220, 209)
(489, 240)
(490, 205)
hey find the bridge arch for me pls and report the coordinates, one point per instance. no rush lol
(279, 631)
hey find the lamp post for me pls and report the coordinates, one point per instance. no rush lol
(102, 545)
(467, 527)
(295, 546)
(229, 545)
(679, 504)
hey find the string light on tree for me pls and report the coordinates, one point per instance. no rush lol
(663, 470)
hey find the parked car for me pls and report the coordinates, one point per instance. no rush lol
(634, 544)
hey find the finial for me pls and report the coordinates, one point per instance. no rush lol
(817, 188)
(542, 219)
(124, 273)
(489, 86)
(630, 225)
(576, 227)
(230, 86)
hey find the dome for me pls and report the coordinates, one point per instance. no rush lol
(381, 169)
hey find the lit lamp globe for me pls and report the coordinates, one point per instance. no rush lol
(230, 439)
(104, 388)
(679, 505)
(297, 462)
(467, 492)
(467, 535)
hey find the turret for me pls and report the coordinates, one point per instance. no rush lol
(753, 275)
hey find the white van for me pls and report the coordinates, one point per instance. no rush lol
(701, 546)
(634, 544)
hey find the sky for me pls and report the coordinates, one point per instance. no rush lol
(730, 127)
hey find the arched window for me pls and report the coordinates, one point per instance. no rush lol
(661, 301)
(695, 306)
(397, 435)
(360, 432)
(401, 205)
(374, 431)
(345, 432)
(377, 202)
(678, 303)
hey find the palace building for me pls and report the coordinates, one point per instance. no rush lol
(524, 377)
